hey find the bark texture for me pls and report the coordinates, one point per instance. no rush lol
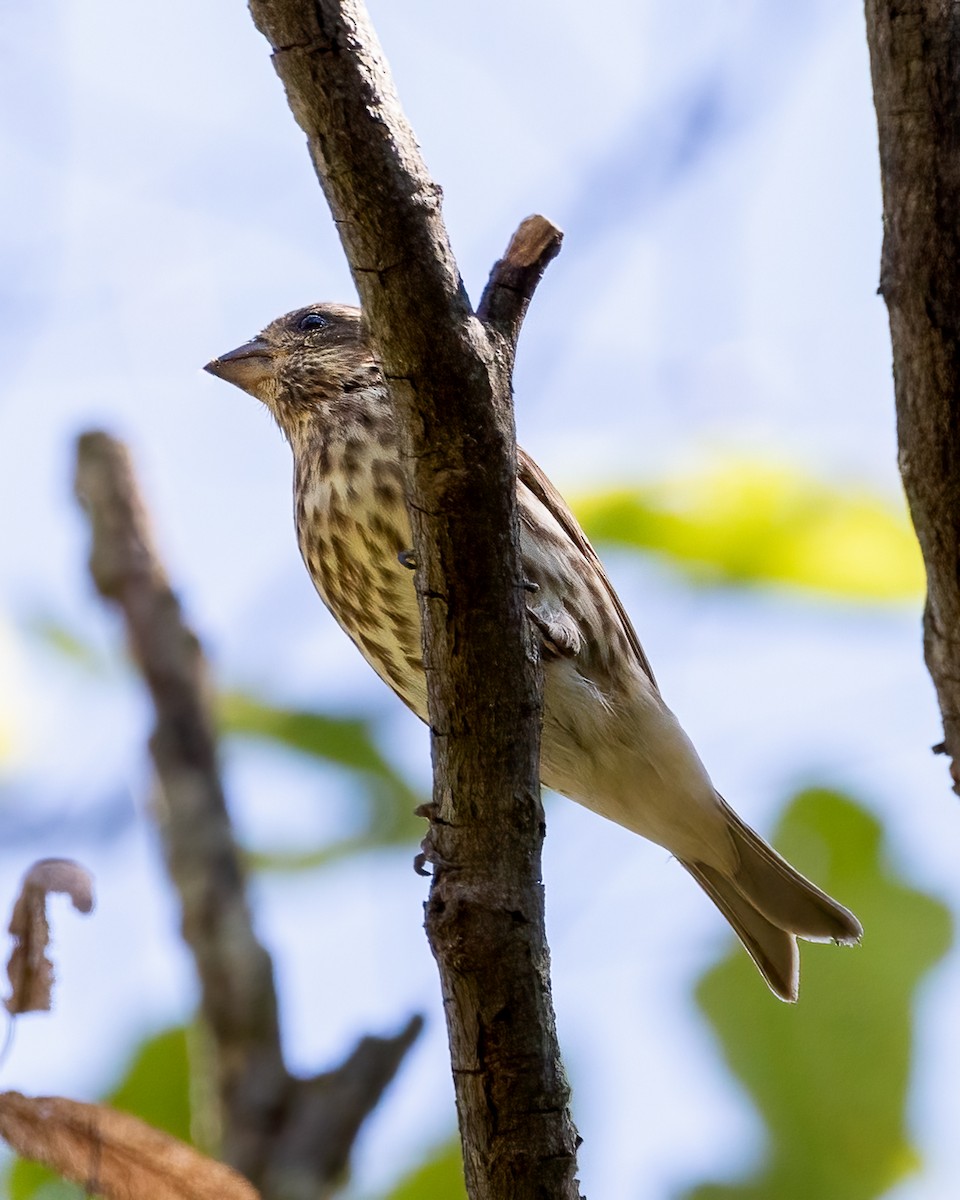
(449, 371)
(291, 1137)
(915, 64)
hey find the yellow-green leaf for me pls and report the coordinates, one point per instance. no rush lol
(752, 523)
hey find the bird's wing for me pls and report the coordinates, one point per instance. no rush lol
(529, 475)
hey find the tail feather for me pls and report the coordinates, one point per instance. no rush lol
(783, 895)
(770, 905)
(771, 948)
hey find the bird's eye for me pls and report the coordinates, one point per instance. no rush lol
(312, 320)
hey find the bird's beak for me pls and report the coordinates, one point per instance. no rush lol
(248, 367)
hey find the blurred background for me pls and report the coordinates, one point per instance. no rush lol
(705, 373)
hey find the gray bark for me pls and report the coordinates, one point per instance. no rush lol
(915, 64)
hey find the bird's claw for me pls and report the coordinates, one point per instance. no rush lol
(406, 559)
(428, 851)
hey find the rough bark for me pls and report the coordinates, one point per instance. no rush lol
(915, 64)
(449, 373)
(291, 1137)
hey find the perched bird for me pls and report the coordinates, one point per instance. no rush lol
(609, 740)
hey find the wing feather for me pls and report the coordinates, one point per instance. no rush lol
(530, 476)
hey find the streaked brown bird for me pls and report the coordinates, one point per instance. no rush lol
(609, 740)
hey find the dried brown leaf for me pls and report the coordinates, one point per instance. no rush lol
(29, 970)
(112, 1154)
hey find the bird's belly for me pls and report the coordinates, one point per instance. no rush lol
(392, 647)
(356, 570)
(626, 757)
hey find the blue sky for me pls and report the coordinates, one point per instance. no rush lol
(714, 168)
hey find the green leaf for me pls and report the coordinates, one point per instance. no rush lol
(751, 523)
(30, 1181)
(830, 1074)
(440, 1177)
(156, 1088)
(346, 742)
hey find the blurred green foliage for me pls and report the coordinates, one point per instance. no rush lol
(343, 741)
(346, 741)
(753, 523)
(830, 1074)
(155, 1087)
(439, 1177)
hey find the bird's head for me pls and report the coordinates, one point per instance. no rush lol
(302, 362)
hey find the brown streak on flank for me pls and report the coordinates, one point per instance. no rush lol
(372, 648)
(320, 571)
(338, 519)
(397, 677)
(348, 614)
(387, 494)
(361, 578)
(387, 530)
(352, 454)
(406, 636)
(378, 552)
(338, 550)
(386, 472)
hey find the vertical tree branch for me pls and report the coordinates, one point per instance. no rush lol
(236, 975)
(449, 374)
(915, 64)
(292, 1137)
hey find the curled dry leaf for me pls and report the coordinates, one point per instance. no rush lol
(29, 970)
(112, 1154)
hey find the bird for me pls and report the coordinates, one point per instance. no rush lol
(609, 740)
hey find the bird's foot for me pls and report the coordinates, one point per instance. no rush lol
(428, 850)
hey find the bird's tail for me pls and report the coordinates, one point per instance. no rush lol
(770, 905)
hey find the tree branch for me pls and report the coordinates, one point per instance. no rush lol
(915, 64)
(515, 277)
(449, 375)
(275, 1131)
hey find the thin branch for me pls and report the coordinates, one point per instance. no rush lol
(915, 64)
(515, 277)
(274, 1130)
(449, 375)
(326, 1114)
(239, 1001)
